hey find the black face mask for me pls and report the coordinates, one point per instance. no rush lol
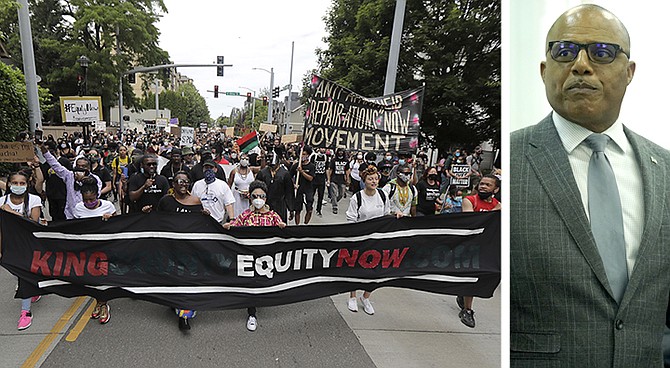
(433, 177)
(484, 195)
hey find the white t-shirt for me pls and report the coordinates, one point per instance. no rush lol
(372, 207)
(214, 197)
(33, 201)
(106, 207)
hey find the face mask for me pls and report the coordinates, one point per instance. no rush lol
(258, 203)
(17, 189)
(401, 162)
(360, 157)
(457, 154)
(92, 205)
(234, 155)
(389, 158)
(404, 177)
(210, 176)
(484, 195)
(244, 162)
(433, 177)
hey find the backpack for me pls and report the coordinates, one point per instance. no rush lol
(359, 197)
(394, 185)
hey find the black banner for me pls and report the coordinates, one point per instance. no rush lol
(190, 261)
(337, 117)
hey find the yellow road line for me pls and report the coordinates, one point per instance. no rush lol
(81, 324)
(36, 355)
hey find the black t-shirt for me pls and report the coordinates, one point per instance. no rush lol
(151, 195)
(170, 204)
(55, 185)
(339, 167)
(169, 171)
(104, 175)
(320, 166)
(303, 184)
(427, 196)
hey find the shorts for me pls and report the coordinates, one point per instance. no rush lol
(308, 199)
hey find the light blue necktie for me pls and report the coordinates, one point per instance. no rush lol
(606, 216)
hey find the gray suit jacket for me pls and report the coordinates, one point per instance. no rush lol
(562, 311)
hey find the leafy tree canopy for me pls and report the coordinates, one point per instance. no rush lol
(186, 104)
(453, 46)
(64, 30)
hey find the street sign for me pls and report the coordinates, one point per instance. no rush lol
(232, 93)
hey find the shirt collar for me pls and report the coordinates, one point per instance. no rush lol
(572, 134)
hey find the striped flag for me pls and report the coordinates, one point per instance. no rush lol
(248, 142)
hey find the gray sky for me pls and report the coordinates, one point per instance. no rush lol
(248, 34)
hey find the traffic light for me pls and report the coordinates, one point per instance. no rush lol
(216, 91)
(219, 69)
(275, 92)
(131, 78)
(248, 97)
(265, 100)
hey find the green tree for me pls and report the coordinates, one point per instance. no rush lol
(186, 104)
(453, 46)
(63, 30)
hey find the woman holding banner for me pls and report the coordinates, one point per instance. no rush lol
(92, 206)
(21, 203)
(240, 179)
(366, 204)
(259, 214)
(181, 201)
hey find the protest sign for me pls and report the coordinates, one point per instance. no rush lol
(187, 134)
(190, 261)
(16, 151)
(289, 138)
(337, 117)
(87, 109)
(267, 128)
(460, 170)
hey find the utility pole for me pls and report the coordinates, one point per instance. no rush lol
(394, 52)
(25, 33)
(118, 54)
(287, 119)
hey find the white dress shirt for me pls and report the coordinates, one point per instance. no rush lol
(626, 169)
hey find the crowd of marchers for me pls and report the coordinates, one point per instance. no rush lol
(271, 184)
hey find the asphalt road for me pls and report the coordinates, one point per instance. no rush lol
(409, 329)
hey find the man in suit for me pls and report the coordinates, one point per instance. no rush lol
(570, 306)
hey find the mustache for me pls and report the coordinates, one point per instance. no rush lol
(580, 83)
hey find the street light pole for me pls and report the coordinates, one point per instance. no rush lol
(272, 85)
(83, 62)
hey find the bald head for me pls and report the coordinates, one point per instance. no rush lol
(590, 16)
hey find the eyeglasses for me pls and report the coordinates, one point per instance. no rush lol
(151, 164)
(182, 182)
(255, 196)
(598, 52)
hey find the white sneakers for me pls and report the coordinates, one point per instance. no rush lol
(251, 323)
(352, 305)
(367, 306)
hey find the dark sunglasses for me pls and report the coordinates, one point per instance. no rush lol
(151, 164)
(255, 196)
(598, 52)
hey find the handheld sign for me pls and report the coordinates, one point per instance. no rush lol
(16, 151)
(187, 136)
(267, 128)
(460, 170)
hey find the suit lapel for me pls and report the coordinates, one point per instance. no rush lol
(653, 171)
(550, 162)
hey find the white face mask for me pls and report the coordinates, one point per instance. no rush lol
(258, 203)
(18, 189)
(244, 162)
